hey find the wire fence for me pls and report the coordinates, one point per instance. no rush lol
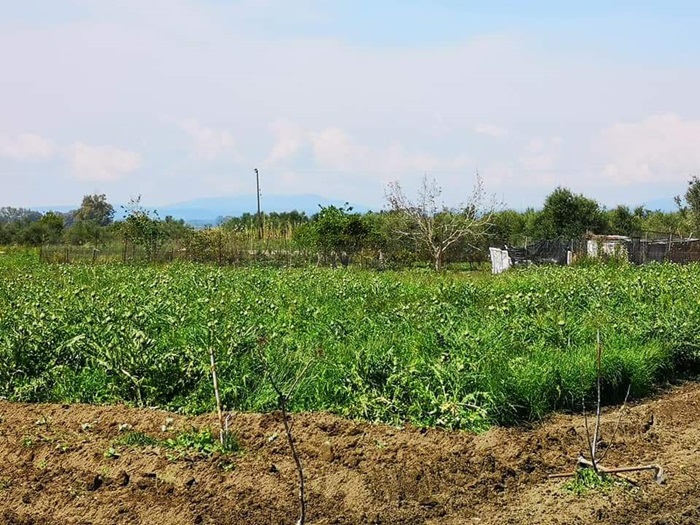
(222, 254)
(228, 251)
(636, 250)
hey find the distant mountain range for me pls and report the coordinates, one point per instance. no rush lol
(206, 211)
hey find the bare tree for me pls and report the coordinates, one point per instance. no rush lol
(437, 227)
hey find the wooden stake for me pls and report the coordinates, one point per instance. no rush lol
(222, 430)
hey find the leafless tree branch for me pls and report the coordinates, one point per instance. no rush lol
(435, 226)
(282, 400)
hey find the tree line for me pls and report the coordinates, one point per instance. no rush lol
(410, 230)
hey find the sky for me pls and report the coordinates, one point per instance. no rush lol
(180, 99)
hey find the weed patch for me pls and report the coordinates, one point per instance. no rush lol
(586, 480)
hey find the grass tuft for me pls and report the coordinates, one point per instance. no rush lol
(587, 480)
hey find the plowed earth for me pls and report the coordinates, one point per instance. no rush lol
(53, 470)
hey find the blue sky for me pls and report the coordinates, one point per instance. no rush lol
(179, 99)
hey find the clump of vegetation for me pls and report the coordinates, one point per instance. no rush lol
(429, 349)
(587, 479)
(111, 453)
(192, 441)
(201, 442)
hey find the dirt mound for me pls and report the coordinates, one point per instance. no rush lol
(56, 467)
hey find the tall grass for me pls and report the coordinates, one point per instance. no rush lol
(397, 347)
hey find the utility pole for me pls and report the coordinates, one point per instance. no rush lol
(257, 185)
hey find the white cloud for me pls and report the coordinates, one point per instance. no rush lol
(335, 149)
(396, 159)
(663, 147)
(490, 130)
(26, 146)
(541, 154)
(102, 163)
(289, 139)
(210, 143)
(352, 168)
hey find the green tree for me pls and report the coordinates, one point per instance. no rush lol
(9, 214)
(87, 232)
(53, 224)
(623, 221)
(142, 229)
(88, 224)
(241, 223)
(509, 227)
(568, 215)
(7, 234)
(33, 234)
(334, 229)
(95, 208)
(339, 230)
(691, 210)
(660, 222)
(23, 226)
(175, 228)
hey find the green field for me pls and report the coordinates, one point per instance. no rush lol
(454, 350)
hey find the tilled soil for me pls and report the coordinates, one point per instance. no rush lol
(54, 470)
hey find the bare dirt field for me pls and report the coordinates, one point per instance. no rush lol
(54, 470)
